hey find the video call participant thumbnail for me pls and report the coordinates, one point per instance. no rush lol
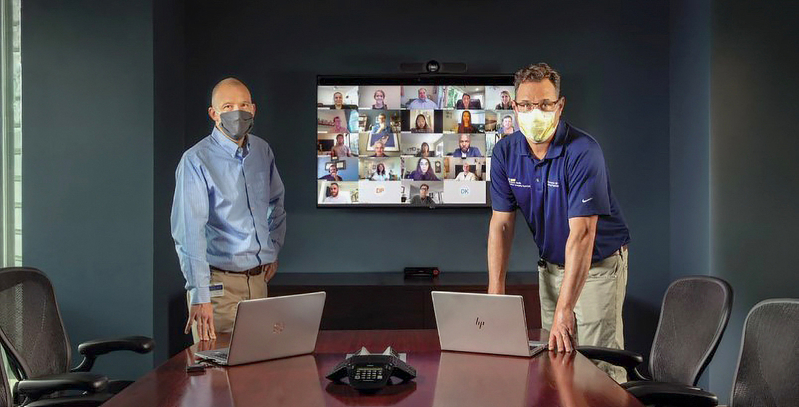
(506, 126)
(421, 125)
(380, 100)
(466, 174)
(380, 173)
(337, 127)
(505, 103)
(424, 151)
(332, 173)
(423, 171)
(466, 102)
(423, 199)
(381, 131)
(466, 126)
(340, 149)
(338, 102)
(380, 150)
(336, 195)
(465, 148)
(422, 102)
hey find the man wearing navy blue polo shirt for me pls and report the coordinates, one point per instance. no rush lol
(556, 175)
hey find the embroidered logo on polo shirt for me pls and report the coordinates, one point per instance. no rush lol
(586, 200)
(553, 184)
(514, 183)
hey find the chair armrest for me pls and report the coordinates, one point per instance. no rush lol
(91, 349)
(91, 400)
(617, 357)
(97, 347)
(673, 394)
(33, 389)
(631, 384)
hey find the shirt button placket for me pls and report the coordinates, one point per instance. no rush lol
(539, 185)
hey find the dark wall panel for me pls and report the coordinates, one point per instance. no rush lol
(754, 172)
(689, 151)
(169, 70)
(88, 165)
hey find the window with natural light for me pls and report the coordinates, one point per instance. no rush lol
(11, 137)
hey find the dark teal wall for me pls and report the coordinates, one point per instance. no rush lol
(124, 90)
(169, 301)
(689, 135)
(88, 165)
(754, 171)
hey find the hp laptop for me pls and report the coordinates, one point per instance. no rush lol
(483, 323)
(271, 328)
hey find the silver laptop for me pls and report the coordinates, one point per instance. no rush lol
(271, 328)
(483, 323)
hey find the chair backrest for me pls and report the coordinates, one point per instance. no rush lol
(31, 329)
(693, 317)
(5, 391)
(769, 362)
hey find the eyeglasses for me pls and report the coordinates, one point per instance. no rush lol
(545, 105)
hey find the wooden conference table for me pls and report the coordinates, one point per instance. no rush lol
(443, 378)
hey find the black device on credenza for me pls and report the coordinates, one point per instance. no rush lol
(370, 372)
(423, 272)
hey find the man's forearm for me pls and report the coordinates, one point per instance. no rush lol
(500, 239)
(579, 249)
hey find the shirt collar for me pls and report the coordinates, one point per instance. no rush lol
(229, 145)
(555, 148)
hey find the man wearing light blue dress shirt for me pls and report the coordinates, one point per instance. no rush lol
(422, 102)
(228, 220)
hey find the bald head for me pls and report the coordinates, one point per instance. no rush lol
(224, 87)
(228, 95)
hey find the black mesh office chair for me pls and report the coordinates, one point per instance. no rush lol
(768, 364)
(693, 317)
(31, 390)
(36, 342)
(5, 393)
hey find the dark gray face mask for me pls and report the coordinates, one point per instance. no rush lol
(236, 123)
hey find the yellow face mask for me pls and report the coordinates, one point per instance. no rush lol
(536, 125)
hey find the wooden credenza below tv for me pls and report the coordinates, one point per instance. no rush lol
(387, 300)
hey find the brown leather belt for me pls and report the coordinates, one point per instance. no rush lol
(251, 272)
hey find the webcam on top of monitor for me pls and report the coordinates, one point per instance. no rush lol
(433, 66)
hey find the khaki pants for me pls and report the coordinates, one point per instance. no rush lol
(598, 310)
(238, 287)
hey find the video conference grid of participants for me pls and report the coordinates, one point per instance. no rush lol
(421, 145)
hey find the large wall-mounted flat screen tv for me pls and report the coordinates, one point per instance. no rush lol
(422, 140)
